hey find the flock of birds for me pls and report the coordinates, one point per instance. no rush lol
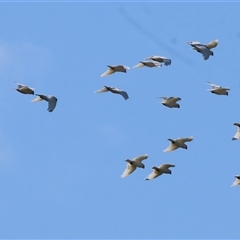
(171, 102)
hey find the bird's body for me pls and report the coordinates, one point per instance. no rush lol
(115, 68)
(113, 90)
(178, 143)
(158, 171)
(133, 164)
(24, 89)
(160, 59)
(170, 102)
(237, 181)
(216, 89)
(52, 101)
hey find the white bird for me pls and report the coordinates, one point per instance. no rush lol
(24, 89)
(113, 90)
(115, 68)
(133, 164)
(166, 61)
(157, 171)
(148, 64)
(237, 135)
(170, 102)
(204, 49)
(218, 89)
(237, 181)
(178, 143)
(52, 101)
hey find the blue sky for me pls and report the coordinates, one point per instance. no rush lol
(60, 171)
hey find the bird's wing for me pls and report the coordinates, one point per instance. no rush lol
(152, 175)
(235, 183)
(177, 99)
(104, 89)
(213, 85)
(164, 98)
(237, 135)
(204, 50)
(37, 99)
(124, 94)
(225, 88)
(150, 58)
(108, 72)
(193, 44)
(20, 85)
(206, 55)
(173, 99)
(52, 102)
(126, 67)
(189, 139)
(212, 44)
(172, 147)
(139, 65)
(166, 166)
(140, 158)
(129, 169)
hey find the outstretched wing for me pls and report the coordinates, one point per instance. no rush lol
(52, 102)
(214, 86)
(166, 166)
(108, 72)
(139, 65)
(104, 89)
(237, 135)
(140, 158)
(152, 175)
(172, 147)
(189, 139)
(129, 169)
(236, 182)
(37, 99)
(124, 94)
(212, 44)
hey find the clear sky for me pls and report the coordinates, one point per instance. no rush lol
(60, 171)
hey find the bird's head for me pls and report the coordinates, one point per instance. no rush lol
(129, 161)
(155, 168)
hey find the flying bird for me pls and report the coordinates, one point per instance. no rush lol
(24, 89)
(157, 171)
(113, 90)
(166, 61)
(218, 89)
(204, 49)
(148, 64)
(237, 181)
(115, 68)
(52, 101)
(178, 143)
(237, 135)
(170, 102)
(133, 164)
